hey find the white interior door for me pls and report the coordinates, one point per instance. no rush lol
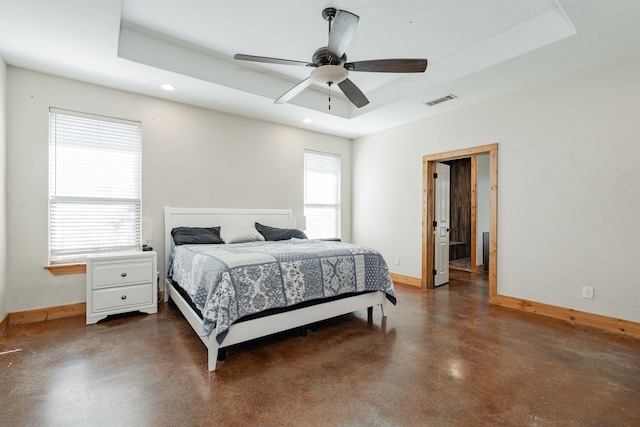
(442, 226)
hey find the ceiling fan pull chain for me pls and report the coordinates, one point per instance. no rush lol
(330, 83)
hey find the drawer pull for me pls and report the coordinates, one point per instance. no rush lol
(124, 275)
(123, 297)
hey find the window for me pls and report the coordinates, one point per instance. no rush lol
(322, 195)
(94, 185)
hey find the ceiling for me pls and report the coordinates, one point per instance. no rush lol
(477, 50)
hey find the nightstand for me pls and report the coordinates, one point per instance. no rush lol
(121, 283)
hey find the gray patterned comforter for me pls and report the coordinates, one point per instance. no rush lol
(228, 282)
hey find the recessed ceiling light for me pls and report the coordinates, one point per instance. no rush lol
(307, 120)
(167, 86)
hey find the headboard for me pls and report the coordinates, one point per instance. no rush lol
(214, 217)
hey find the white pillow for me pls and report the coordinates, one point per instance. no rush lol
(240, 234)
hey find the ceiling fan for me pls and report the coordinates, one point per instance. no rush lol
(330, 62)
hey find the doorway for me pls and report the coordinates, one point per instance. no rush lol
(461, 216)
(469, 222)
(428, 211)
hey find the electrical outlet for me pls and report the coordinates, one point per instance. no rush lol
(587, 292)
(396, 261)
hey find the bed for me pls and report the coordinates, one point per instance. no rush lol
(231, 293)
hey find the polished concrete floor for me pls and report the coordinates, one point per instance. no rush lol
(441, 358)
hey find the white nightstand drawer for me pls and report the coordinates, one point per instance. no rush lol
(122, 273)
(117, 298)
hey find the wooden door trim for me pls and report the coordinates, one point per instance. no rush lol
(428, 239)
(474, 212)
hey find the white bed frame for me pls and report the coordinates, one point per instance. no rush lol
(251, 329)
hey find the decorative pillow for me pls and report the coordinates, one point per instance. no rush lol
(240, 234)
(274, 233)
(196, 235)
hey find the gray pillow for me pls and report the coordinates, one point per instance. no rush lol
(196, 235)
(274, 233)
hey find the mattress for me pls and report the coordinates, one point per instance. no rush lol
(230, 282)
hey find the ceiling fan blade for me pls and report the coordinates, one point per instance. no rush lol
(294, 91)
(343, 27)
(389, 65)
(266, 59)
(352, 92)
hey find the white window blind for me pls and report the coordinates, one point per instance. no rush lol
(322, 195)
(94, 185)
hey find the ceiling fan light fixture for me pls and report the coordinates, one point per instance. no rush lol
(326, 74)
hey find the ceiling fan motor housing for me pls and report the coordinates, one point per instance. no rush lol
(321, 57)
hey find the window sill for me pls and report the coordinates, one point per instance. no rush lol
(60, 269)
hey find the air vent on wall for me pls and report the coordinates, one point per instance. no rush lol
(439, 100)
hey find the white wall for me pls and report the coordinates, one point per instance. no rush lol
(567, 188)
(3, 190)
(482, 202)
(192, 157)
